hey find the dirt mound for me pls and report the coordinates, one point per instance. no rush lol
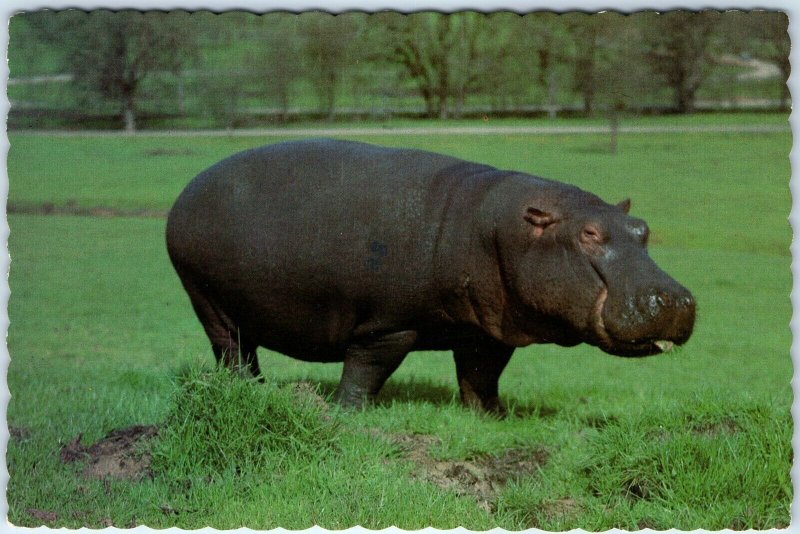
(309, 393)
(481, 477)
(44, 516)
(118, 455)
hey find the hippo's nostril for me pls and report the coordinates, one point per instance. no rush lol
(657, 300)
(653, 303)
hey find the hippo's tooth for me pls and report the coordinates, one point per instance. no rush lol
(664, 346)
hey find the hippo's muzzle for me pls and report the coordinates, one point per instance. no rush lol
(647, 324)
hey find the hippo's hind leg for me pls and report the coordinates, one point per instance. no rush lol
(232, 347)
(367, 365)
(478, 368)
(237, 355)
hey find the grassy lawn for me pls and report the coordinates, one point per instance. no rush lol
(103, 337)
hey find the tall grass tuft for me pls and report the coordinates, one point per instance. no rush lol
(712, 466)
(220, 424)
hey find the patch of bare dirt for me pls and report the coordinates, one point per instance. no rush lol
(482, 477)
(561, 508)
(42, 515)
(18, 433)
(168, 152)
(712, 430)
(647, 523)
(70, 208)
(117, 455)
(309, 393)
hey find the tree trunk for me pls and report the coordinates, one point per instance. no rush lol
(586, 66)
(283, 99)
(442, 105)
(443, 89)
(588, 102)
(430, 106)
(551, 94)
(684, 100)
(458, 105)
(683, 92)
(181, 94)
(330, 93)
(129, 115)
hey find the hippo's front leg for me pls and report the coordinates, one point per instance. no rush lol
(478, 368)
(367, 365)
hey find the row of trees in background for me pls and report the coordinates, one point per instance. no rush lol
(229, 61)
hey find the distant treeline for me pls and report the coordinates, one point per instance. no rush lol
(178, 69)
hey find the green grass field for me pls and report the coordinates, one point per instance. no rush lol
(103, 337)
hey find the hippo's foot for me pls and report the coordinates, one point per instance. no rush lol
(491, 405)
(351, 396)
(367, 365)
(478, 368)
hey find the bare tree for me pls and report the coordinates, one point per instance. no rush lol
(544, 47)
(677, 49)
(611, 70)
(112, 53)
(585, 30)
(328, 46)
(438, 52)
(277, 59)
(623, 79)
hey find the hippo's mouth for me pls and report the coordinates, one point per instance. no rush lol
(617, 347)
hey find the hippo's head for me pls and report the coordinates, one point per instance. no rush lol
(578, 271)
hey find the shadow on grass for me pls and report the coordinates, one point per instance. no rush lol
(530, 410)
(424, 391)
(593, 149)
(418, 391)
(411, 391)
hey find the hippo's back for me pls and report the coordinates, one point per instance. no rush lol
(296, 192)
(307, 238)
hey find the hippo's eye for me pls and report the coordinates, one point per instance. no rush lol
(591, 234)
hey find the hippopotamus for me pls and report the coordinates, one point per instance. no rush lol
(337, 251)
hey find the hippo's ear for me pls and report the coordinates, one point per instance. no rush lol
(625, 205)
(539, 219)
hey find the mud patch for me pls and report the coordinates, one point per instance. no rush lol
(118, 455)
(42, 515)
(482, 477)
(712, 430)
(19, 433)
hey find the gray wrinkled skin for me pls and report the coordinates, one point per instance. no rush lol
(337, 251)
